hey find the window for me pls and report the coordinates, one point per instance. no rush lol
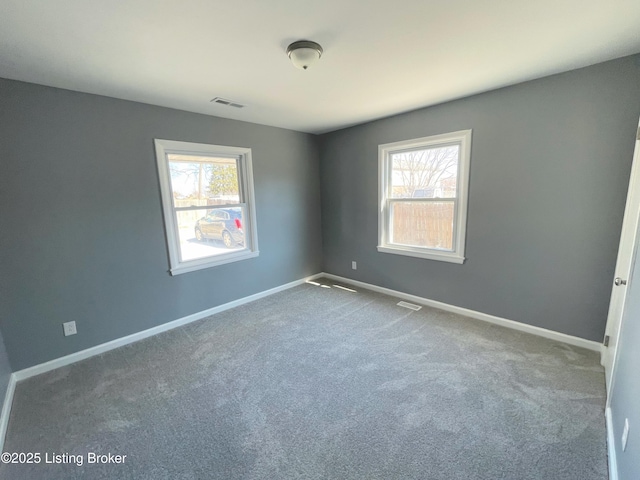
(207, 199)
(423, 196)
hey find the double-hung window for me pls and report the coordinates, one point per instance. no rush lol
(423, 196)
(207, 200)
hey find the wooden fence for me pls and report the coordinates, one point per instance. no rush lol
(423, 224)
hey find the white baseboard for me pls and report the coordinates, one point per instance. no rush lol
(6, 409)
(135, 337)
(523, 327)
(119, 342)
(98, 349)
(611, 448)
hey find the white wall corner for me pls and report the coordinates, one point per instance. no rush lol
(611, 446)
(6, 409)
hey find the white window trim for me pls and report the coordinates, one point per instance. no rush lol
(250, 250)
(463, 138)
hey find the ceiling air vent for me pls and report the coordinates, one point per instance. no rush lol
(227, 103)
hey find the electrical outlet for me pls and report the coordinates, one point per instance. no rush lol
(354, 265)
(69, 328)
(625, 434)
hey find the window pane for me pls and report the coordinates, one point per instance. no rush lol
(418, 224)
(206, 233)
(202, 180)
(426, 173)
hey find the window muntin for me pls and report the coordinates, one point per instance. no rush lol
(423, 196)
(207, 197)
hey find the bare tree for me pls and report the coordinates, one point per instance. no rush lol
(423, 170)
(206, 179)
(194, 173)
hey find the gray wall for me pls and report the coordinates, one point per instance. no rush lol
(82, 237)
(550, 163)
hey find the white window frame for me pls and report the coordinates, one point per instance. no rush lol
(245, 172)
(385, 221)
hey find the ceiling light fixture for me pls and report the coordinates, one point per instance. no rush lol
(304, 53)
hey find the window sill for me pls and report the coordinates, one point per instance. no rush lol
(193, 265)
(450, 257)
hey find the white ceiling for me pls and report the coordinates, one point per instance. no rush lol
(381, 57)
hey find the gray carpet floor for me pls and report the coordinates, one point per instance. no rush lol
(320, 383)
